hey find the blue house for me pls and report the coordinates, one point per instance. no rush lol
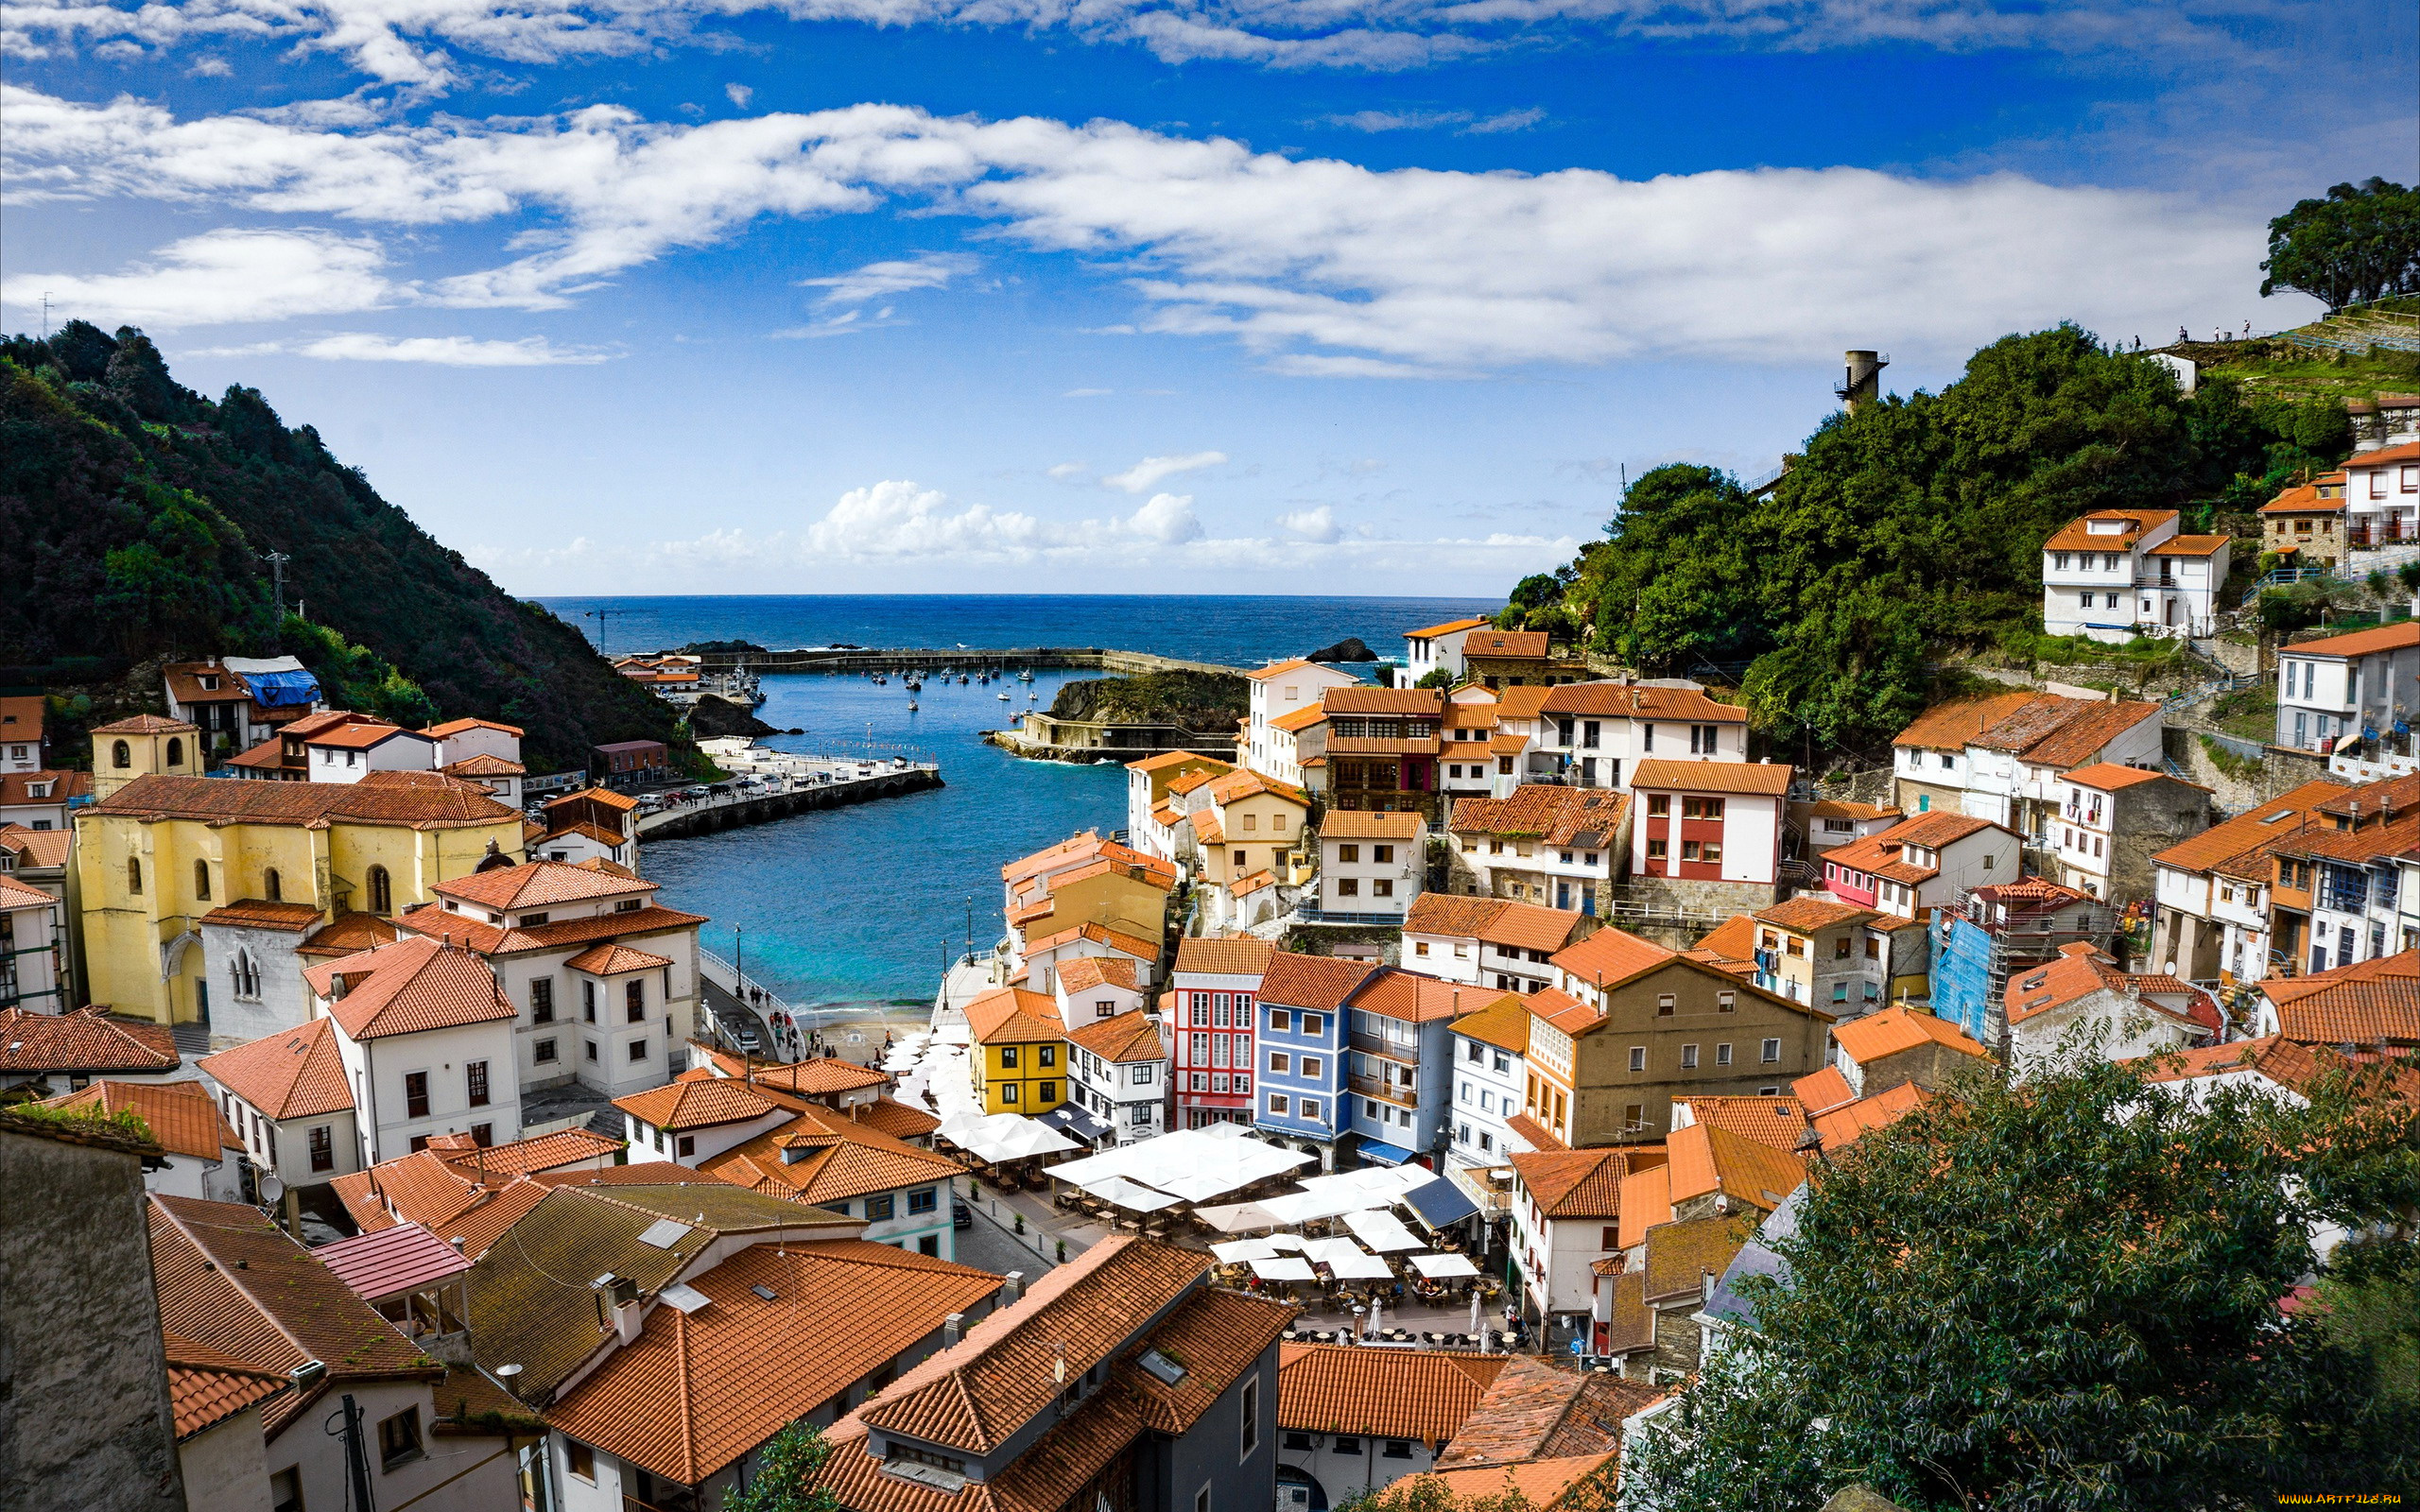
(1301, 1049)
(1399, 1073)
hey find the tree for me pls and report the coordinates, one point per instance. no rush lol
(2065, 1292)
(2358, 245)
(786, 1474)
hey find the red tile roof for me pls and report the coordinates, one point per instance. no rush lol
(433, 920)
(1839, 1127)
(1321, 982)
(182, 1119)
(1353, 824)
(1585, 816)
(1528, 645)
(414, 984)
(1705, 774)
(259, 913)
(1234, 956)
(417, 801)
(144, 725)
(1868, 1040)
(1128, 1036)
(1334, 1388)
(2394, 637)
(405, 1257)
(2368, 1003)
(1706, 1158)
(1612, 956)
(207, 1386)
(537, 885)
(296, 1073)
(1012, 1015)
(88, 1041)
(1583, 1183)
(1775, 1120)
(610, 959)
(704, 1103)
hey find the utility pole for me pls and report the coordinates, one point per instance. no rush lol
(277, 560)
(46, 314)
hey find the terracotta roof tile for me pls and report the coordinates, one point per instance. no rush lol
(144, 725)
(88, 1041)
(1128, 1036)
(700, 1389)
(705, 1104)
(612, 959)
(1706, 1159)
(2359, 642)
(259, 913)
(1870, 1039)
(1620, 701)
(1581, 1183)
(1321, 982)
(418, 801)
(1840, 1127)
(296, 1073)
(42, 847)
(1758, 778)
(537, 885)
(1646, 1200)
(435, 922)
(207, 1386)
(1680, 1254)
(1822, 1090)
(823, 1156)
(348, 934)
(1529, 645)
(1733, 939)
(1134, 945)
(1778, 1122)
(1086, 973)
(1429, 632)
(1583, 817)
(1504, 1023)
(1237, 955)
(405, 1257)
(1010, 1015)
(1451, 914)
(182, 1119)
(1353, 824)
(1806, 914)
(413, 985)
(1533, 1411)
(1332, 1388)
(1612, 956)
(1534, 1134)
(2368, 1003)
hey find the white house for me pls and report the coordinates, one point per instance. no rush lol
(2341, 688)
(1151, 820)
(1926, 861)
(1493, 942)
(424, 1034)
(2003, 756)
(1565, 1211)
(2382, 495)
(2115, 818)
(2117, 574)
(1283, 688)
(2212, 915)
(202, 1157)
(1555, 846)
(1117, 1070)
(2134, 1014)
(1704, 820)
(31, 951)
(1436, 648)
(363, 745)
(1597, 732)
(1371, 863)
(1490, 1071)
(22, 718)
(605, 978)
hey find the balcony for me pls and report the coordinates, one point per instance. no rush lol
(1403, 1095)
(1403, 1052)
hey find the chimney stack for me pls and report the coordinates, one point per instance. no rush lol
(953, 1329)
(1862, 383)
(626, 1320)
(1012, 1287)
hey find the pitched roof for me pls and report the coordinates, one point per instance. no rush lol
(86, 1042)
(2079, 969)
(1173, 758)
(1808, 913)
(2072, 735)
(1587, 817)
(1414, 997)
(1534, 1412)
(2368, 1003)
(1086, 973)
(1706, 774)
(1337, 1389)
(15, 895)
(1897, 1028)
(412, 984)
(1581, 1183)
(1775, 1120)
(43, 847)
(1610, 956)
(2303, 498)
(1290, 664)
(821, 1076)
(405, 1257)
(1298, 719)
(1358, 699)
(1234, 956)
(700, 1388)
(586, 1228)
(1733, 939)
(182, 1119)
(2256, 826)
(2191, 546)
(2394, 637)
(436, 921)
(1706, 1158)
(1128, 1036)
(1951, 726)
(1529, 645)
(1012, 1015)
(612, 958)
(1310, 981)
(537, 885)
(259, 913)
(1504, 1023)
(1134, 945)
(144, 725)
(2409, 452)
(1451, 914)
(1532, 1133)
(2076, 534)
(1838, 1127)
(706, 1103)
(1680, 1254)
(1237, 785)
(1355, 824)
(975, 1394)
(17, 787)
(456, 727)
(348, 934)
(207, 1386)
(417, 801)
(1634, 700)
(229, 1278)
(1544, 1484)
(1822, 1090)
(1429, 632)
(295, 1073)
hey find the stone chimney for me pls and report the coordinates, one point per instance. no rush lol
(1012, 1287)
(953, 1329)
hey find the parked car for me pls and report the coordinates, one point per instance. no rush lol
(748, 1040)
(961, 1216)
(697, 792)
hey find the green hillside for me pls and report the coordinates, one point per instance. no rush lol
(136, 512)
(1912, 530)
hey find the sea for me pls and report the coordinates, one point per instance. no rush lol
(857, 911)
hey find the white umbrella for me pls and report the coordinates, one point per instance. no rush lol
(1374, 1315)
(1235, 1251)
(1289, 1242)
(1127, 1195)
(1437, 1267)
(1360, 1266)
(1381, 1232)
(1237, 1218)
(1325, 1250)
(1474, 1329)
(1283, 1268)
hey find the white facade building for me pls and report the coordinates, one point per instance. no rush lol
(2339, 689)
(1491, 1083)
(1283, 688)
(2382, 495)
(424, 1034)
(1436, 648)
(1117, 1070)
(2117, 574)
(291, 1103)
(1372, 864)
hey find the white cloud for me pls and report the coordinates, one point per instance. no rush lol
(741, 94)
(1313, 524)
(1153, 470)
(876, 280)
(1505, 121)
(451, 351)
(1468, 123)
(219, 277)
(1066, 471)
(900, 518)
(1320, 268)
(1086, 393)
(1167, 518)
(412, 43)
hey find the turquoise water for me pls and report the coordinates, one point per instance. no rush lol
(863, 905)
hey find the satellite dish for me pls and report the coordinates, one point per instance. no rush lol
(271, 1187)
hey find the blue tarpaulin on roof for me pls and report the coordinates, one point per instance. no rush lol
(283, 689)
(1439, 1203)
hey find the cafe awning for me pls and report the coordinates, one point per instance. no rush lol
(1440, 1267)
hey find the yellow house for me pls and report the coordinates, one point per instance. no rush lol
(160, 851)
(1129, 896)
(1020, 1052)
(1252, 824)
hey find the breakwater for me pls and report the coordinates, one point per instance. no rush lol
(729, 811)
(960, 658)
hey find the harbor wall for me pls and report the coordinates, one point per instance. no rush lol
(763, 807)
(1011, 659)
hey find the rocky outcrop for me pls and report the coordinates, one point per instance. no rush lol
(712, 717)
(1349, 649)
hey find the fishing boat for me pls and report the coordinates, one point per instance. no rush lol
(1026, 675)
(1004, 697)
(911, 706)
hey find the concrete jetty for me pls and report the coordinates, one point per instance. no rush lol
(961, 659)
(826, 782)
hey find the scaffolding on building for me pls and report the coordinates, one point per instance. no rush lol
(1984, 942)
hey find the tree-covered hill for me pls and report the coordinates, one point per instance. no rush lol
(135, 514)
(1914, 530)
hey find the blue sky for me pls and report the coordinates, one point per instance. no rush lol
(1279, 296)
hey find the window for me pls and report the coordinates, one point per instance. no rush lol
(590, 1047)
(1279, 1103)
(1348, 887)
(1250, 1437)
(1009, 1092)
(121, 756)
(1201, 1497)
(1726, 1003)
(1665, 1005)
(1146, 1074)
(1240, 861)
(543, 1052)
(1313, 1023)
(638, 1049)
(1347, 1445)
(286, 1490)
(634, 1000)
(1772, 1051)
(1657, 850)
(246, 973)
(923, 1199)
(879, 1207)
(134, 875)
(1701, 808)
(1638, 1057)
(1688, 1058)
(1398, 1449)
(1382, 854)
(583, 1460)
(1050, 1055)
(1308, 1108)
(1659, 805)
(1348, 852)
(416, 1094)
(1047, 1091)
(588, 1000)
(398, 1438)
(382, 891)
(475, 1076)
(542, 1001)
(1310, 1067)
(1009, 1056)
(1701, 740)
(201, 880)
(271, 886)
(1279, 1062)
